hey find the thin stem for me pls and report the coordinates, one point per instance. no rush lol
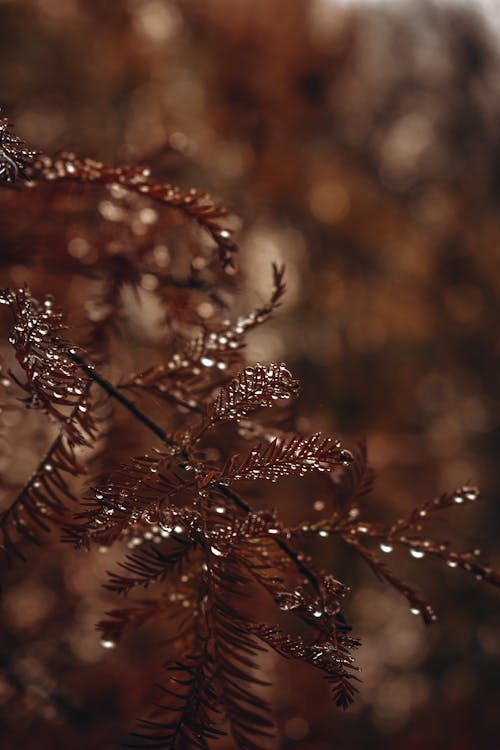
(281, 544)
(124, 401)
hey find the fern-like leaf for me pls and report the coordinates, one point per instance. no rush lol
(259, 385)
(53, 379)
(201, 363)
(195, 205)
(44, 498)
(234, 650)
(333, 658)
(134, 494)
(295, 456)
(15, 156)
(186, 713)
(147, 565)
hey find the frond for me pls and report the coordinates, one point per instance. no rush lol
(408, 533)
(261, 314)
(195, 205)
(147, 565)
(200, 364)
(418, 605)
(43, 500)
(332, 657)
(185, 717)
(260, 385)
(234, 652)
(462, 495)
(53, 380)
(295, 456)
(15, 156)
(135, 493)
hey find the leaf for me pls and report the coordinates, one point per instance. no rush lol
(148, 565)
(234, 650)
(332, 658)
(200, 362)
(15, 156)
(184, 718)
(260, 385)
(195, 205)
(53, 379)
(418, 605)
(295, 456)
(135, 493)
(43, 500)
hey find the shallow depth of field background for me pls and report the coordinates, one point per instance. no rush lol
(360, 145)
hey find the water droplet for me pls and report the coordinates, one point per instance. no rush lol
(386, 548)
(215, 551)
(207, 361)
(289, 600)
(323, 533)
(417, 553)
(220, 509)
(414, 610)
(346, 457)
(470, 493)
(452, 563)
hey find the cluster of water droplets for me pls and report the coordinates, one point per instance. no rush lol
(298, 599)
(259, 385)
(297, 456)
(14, 154)
(425, 611)
(108, 643)
(467, 493)
(328, 655)
(52, 374)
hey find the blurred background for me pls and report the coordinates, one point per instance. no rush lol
(360, 145)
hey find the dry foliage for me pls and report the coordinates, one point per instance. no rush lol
(181, 511)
